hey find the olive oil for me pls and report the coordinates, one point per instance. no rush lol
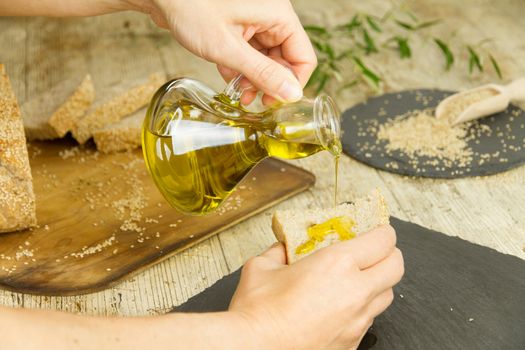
(342, 226)
(199, 158)
(198, 145)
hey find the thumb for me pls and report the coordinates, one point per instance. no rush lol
(276, 253)
(266, 74)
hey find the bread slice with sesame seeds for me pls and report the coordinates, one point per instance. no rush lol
(17, 200)
(291, 226)
(123, 135)
(56, 111)
(119, 101)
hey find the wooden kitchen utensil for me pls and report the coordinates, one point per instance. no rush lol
(482, 101)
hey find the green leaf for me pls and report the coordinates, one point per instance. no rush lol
(373, 24)
(353, 24)
(317, 45)
(348, 85)
(315, 77)
(329, 51)
(474, 60)
(403, 47)
(405, 25)
(412, 16)
(417, 26)
(449, 57)
(344, 54)
(373, 77)
(322, 83)
(316, 30)
(495, 65)
(325, 48)
(427, 24)
(370, 45)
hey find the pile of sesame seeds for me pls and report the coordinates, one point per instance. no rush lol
(419, 133)
(413, 142)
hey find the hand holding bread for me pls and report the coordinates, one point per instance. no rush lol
(326, 300)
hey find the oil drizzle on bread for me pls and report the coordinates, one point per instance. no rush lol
(342, 226)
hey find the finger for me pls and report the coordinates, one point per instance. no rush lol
(385, 274)
(256, 44)
(227, 73)
(276, 253)
(268, 100)
(248, 97)
(275, 51)
(367, 249)
(297, 50)
(380, 303)
(265, 73)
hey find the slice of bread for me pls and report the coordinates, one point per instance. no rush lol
(290, 226)
(54, 112)
(123, 135)
(17, 200)
(121, 100)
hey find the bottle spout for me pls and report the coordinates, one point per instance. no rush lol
(327, 119)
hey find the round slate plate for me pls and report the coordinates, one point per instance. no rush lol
(507, 137)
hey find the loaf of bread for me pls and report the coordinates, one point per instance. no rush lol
(123, 135)
(119, 101)
(17, 200)
(291, 226)
(53, 113)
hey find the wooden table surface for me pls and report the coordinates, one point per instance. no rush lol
(490, 211)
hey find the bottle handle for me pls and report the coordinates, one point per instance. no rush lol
(234, 90)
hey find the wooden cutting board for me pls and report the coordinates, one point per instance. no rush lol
(101, 218)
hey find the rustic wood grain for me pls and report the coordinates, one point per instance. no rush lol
(101, 218)
(488, 211)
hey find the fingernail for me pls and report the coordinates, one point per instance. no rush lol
(290, 91)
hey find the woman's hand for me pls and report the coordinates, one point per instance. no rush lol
(327, 300)
(257, 38)
(242, 36)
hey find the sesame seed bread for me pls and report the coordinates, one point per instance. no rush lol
(290, 226)
(121, 136)
(53, 113)
(119, 101)
(17, 200)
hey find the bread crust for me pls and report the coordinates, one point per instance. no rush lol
(117, 107)
(52, 113)
(124, 135)
(278, 231)
(17, 200)
(70, 112)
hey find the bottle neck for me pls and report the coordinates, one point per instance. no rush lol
(327, 124)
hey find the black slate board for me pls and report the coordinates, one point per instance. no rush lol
(442, 273)
(359, 141)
